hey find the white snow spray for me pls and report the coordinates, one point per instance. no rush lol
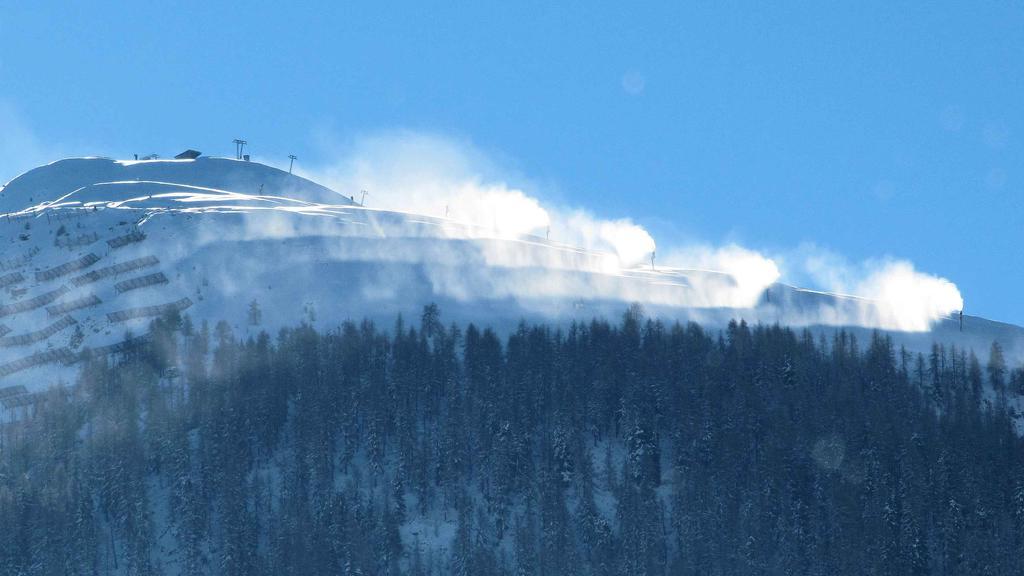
(435, 175)
(892, 293)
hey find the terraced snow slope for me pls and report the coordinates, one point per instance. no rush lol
(93, 249)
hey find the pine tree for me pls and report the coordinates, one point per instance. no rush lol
(996, 368)
(255, 315)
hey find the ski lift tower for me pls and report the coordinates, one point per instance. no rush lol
(239, 148)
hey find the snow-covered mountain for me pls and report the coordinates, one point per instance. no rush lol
(94, 249)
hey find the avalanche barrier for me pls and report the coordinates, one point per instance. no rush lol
(39, 358)
(149, 311)
(119, 347)
(71, 306)
(141, 282)
(20, 400)
(130, 238)
(9, 279)
(8, 391)
(37, 336)
(81, 240)
(119, 268)
(67, 268)
(33, 303)
(19, 261)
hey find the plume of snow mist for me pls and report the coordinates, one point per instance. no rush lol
(894, 295)
(457, 192)
(435, 176)
(907, 299)
(631, 244)
(747, 274)
(438, 176)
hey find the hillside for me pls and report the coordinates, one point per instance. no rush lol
(95, 248)
(222, 415)
(613, 448)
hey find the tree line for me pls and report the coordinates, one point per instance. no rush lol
(633, 447)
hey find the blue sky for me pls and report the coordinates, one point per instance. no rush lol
(868, 129)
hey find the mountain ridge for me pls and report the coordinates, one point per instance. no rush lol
(110, 244)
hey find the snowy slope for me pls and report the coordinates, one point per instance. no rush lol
(106, 245)
(55, 180)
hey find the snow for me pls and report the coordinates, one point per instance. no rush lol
(228, 232)
(52, 181)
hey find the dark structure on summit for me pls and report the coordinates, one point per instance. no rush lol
(189, 154)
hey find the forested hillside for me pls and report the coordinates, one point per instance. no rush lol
(630, 448)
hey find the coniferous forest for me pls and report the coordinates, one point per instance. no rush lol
(421, 448)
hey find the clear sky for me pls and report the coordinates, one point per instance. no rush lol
(870, 129)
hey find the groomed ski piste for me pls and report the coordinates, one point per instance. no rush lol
(94, 249)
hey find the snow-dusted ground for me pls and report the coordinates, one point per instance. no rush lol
(89, 241)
